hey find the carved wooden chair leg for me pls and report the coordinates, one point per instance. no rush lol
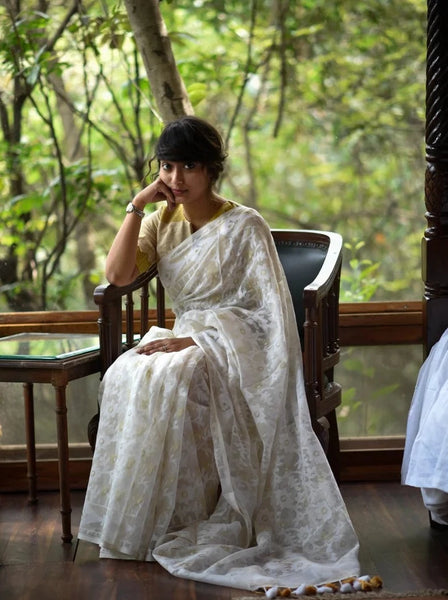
(333, 445)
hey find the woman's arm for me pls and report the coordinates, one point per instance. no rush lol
(120, 262)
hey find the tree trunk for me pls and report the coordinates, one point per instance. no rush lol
(155, 48)
(85, 246)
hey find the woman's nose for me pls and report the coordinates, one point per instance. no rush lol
(178, 175)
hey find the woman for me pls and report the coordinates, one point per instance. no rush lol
(206, 460)
(425, 460)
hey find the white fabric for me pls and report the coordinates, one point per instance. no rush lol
(436, 501)
(230, 410)
(425, 460)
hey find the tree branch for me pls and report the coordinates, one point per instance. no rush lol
(247, 69)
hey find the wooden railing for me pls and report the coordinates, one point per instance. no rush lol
(366, 324)
(380, 323)
(360, 324)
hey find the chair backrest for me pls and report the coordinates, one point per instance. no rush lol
(312, 263)
(302, 254)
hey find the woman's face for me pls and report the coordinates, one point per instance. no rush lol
(189, 181)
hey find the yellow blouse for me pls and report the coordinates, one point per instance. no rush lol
(163, 230)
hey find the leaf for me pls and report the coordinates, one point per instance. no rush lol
(33, 75)
(385, 390)
(197, 92)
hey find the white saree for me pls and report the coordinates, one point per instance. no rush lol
(206, 460)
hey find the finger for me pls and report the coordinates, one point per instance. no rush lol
(171, 203)
(166, 192)
(148, 349)
(161, 348)
(161, 194)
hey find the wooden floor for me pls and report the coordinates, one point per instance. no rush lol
(392, 524)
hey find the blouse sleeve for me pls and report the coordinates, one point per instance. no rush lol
(147, 241)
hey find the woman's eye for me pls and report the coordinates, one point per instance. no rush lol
(165, 166)
(190, 165)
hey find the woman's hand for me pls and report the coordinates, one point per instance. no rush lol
(154, 192)
(120, 262)
(170, 344)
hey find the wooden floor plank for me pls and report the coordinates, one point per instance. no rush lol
(395, 538)
(396, 543)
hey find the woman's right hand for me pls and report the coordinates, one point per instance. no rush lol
(171, 344)
(154, 192)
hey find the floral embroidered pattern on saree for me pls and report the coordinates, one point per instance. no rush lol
(206, 460)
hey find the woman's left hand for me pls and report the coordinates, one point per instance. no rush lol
(171, 344)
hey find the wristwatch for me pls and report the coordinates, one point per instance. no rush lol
(131, 208)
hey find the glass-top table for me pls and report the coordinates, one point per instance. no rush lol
(54, 358)
(47, 346)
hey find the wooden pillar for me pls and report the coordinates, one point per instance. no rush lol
(435, 241)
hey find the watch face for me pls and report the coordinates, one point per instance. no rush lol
(130, 208)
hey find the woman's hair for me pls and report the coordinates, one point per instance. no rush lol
(190, 138)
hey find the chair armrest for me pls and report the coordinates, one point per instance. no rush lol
(321, 328)
(109, 299)
(329, 273)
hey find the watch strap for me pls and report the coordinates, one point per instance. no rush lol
(132, 208)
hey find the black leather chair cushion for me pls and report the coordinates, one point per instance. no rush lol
(301, 262)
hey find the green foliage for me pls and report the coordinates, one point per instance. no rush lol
(377, 387)
(322, 105)
(359, 283)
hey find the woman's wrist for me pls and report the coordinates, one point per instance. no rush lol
(138, 202)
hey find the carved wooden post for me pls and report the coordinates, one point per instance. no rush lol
(435, 241)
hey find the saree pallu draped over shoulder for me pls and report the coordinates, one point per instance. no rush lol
(206, 460)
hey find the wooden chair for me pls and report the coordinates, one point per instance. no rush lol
(312, 263)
